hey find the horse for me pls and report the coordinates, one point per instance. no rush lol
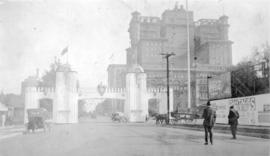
(160, 118)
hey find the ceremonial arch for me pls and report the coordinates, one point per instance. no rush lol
(63, 99)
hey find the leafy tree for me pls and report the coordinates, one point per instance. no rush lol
(245, 78)
(48, 79)
(12, 100)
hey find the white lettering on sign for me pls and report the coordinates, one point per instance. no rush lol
(253, 110)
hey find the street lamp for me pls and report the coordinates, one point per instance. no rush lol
(195, 78)
(208, 77)
(167, 55)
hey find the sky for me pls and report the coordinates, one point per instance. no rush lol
(33, 33)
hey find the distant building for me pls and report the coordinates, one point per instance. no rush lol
(210, 52)
(117, 75)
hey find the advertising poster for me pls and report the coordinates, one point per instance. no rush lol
(220, 86)
(253, 110)
(247, 109)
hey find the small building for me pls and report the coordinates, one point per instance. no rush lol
(3, 108)
(3, 113)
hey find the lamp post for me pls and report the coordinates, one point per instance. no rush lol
(268, 75)
(208, 77)
(167, 55)
(195, 78)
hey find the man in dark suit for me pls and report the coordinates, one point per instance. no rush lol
(209, 116)
(233, 121)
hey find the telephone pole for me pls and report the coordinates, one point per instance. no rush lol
(167, 55)
(207, 81)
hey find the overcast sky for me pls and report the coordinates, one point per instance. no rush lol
(32, 33)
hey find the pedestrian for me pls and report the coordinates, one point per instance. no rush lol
(233, 121)
(146, 118)
(209, 116)
(3, 120)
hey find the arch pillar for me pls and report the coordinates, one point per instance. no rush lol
(136, 106)
(65, 109)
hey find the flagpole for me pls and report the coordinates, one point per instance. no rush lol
(188, 57)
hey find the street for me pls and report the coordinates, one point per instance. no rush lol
(102, 137)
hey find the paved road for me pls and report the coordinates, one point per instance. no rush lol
(104, 138)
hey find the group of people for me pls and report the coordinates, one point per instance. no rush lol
(209, 116)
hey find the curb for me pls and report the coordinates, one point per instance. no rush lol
(9, 136)
(11, 127)
(252, 132)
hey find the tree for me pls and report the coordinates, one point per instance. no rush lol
(260, 54)
(48, 79)
(250, 76)
(12, 100)
(242, 77)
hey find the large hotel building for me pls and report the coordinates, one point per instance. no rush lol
(210, 53)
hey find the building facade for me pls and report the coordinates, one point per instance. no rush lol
(116, 75)
(210, 53)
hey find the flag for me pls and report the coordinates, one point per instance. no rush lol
(65, 50)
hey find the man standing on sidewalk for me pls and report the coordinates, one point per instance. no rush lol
(233, 121)
(209, 116)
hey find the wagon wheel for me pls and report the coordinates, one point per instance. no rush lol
(173, 121)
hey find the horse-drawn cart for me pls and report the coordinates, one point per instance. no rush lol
(184, 117)
(38, 119)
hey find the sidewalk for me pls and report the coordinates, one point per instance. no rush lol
(245, 130)
(10, 131)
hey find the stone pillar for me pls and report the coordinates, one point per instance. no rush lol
(72, 94)
(136, 107)
(65, 108)
(60, 107)
(142, 92)
(130, 94)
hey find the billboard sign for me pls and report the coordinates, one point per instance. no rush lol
(253, 110)
(220, 86)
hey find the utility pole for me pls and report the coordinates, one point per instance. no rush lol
(208, 97)
(167, 55)
(267, 66)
